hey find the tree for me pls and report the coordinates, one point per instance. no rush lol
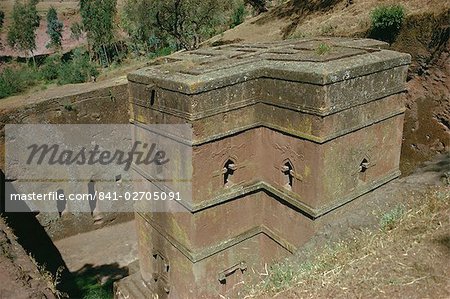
(54, 29)
(76, 30)
(2, 18)
(138, 20)
(25, 21)
(188, 22)
(78, 70)
(238, 15)
(99, 24)
(258, 5)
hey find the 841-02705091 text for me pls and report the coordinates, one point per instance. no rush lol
(139, 196)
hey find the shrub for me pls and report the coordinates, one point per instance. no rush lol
(18, 78)
(238, 15)
(389, 220)
(13, 80)
(77, 70)
(323, 49)
(54, 29)
(386, 22)
(90, 287)
(258, 5)
(76, 31)
(162, 52)
(50, 69)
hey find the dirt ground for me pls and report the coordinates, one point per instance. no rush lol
(20, 277)
(391, 243)
(296, 19)
(410, 259)
(119, 241)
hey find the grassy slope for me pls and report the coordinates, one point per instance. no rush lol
(295, 19)
(407, 256)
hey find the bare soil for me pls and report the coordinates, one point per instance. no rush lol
(392, 243)
(296, 19)
(88, 249)
(427, 122)
(20, 276)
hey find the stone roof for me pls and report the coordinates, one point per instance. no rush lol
(318, 61)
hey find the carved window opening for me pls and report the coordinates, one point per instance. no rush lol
(363, 166)
(228, 170)
(161, 271)
(288, 172)
(152, 97)
(159, 171)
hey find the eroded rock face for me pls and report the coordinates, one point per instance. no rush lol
(427, 118)
(427, 122)
(19, 275)
(102, 103)
(283, 134)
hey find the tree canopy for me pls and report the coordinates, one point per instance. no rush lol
(258, 5)
(2, 18)
(185, 22)
(54, 28)
(25, 21)
(98, 21)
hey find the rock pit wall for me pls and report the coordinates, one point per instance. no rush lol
(100, 103)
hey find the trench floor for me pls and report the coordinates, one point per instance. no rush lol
(114, 246)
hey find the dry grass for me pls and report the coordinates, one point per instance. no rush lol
(51, 281)
(409, 256)
(311, 18)
(355, 19)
